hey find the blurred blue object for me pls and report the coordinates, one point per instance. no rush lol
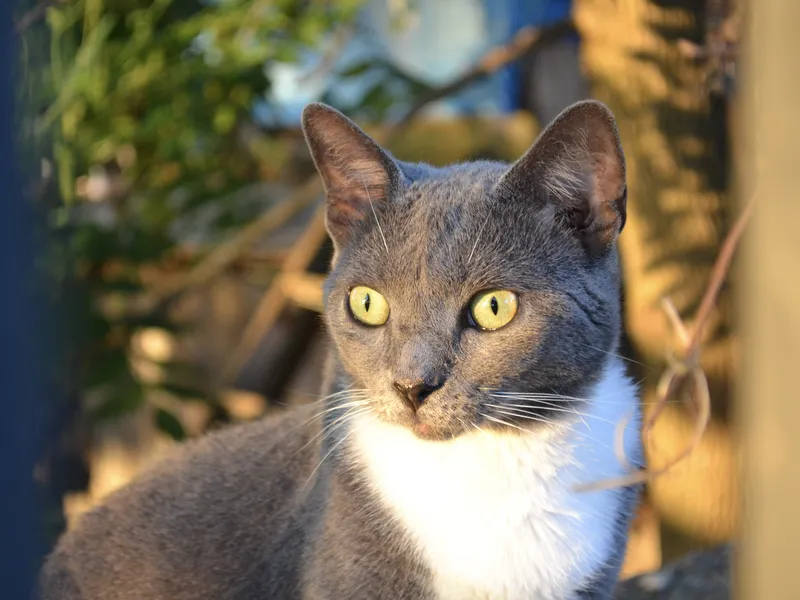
(438, 40)
(21, 361)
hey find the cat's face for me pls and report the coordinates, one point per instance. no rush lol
(473, 296)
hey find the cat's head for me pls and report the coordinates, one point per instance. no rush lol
(468, 295)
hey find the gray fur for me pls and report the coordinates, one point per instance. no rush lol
(250, 512)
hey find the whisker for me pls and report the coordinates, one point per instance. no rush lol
(525, 417)
(463, 422)
(321, 397)
(619, 356)
(335, 446)
(521, 415)
(553, 407)
(478, 237)
(331, 427)
(556, 408)
(501, 422)
(348, 402)
(556, 397)
(374, 214)
(355, 393)
(565, 399)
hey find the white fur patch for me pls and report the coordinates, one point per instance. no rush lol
(495, 515)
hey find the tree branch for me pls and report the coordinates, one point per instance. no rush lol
(525, 42)
(684, 365)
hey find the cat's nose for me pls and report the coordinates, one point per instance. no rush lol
(414, 392)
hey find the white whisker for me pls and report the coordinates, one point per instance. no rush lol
(619, 356)
(331, 427)
(501, 422)
(478, 237)
(355, 400)
(322, 398)
(374, 214)
(325, 411)
(520, 414)
(554, 408)
(335, 446)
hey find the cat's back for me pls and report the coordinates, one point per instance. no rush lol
(219, 518)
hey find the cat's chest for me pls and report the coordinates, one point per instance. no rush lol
(495, 516)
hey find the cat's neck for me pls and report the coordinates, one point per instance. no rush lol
(481, 506)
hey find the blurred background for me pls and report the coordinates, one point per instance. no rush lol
(178, 211)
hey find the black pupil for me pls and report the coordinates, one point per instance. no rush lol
(366, 302)
(495, 306)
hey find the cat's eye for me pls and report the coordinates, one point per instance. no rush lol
(368, 306)
(493, 309)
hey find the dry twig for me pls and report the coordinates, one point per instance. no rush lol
(275, 299)
(684, 366)
(226, 254)
(524, 42)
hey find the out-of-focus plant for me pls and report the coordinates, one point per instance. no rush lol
(140, 110)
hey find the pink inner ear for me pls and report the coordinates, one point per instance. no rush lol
(341, 204)
(608, 178)
(364, 175)
(346, 157)
(578, 162)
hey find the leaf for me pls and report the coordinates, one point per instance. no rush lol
(112, 365)
(357, 69)
(183, 392)
(121, 402)
(169, 424)
(224, 118)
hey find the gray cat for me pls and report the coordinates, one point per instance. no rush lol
(474, 314)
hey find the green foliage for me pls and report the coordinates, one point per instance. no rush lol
(148, 99)
(169, 424)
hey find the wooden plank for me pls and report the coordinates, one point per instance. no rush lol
(769, 414)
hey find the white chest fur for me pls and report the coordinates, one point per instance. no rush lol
(495, 515)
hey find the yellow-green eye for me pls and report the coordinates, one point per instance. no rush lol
(368, 306)
(493, 309)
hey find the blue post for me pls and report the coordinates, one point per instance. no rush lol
(20, 363)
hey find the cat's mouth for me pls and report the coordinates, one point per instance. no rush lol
(432, 427)
(425, 431)
(441, 416)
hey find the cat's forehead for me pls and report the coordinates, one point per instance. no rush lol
(446, 231)
(443, 191)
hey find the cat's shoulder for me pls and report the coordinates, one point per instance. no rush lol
(229, 454)
(206, 502)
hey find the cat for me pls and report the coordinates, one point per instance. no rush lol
(472, 385)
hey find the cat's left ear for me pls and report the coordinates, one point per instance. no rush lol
(577, 165)
(355, 170)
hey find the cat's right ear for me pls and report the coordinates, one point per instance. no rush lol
(358, 175)
(578, 167)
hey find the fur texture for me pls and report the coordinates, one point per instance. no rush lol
(462, 489)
